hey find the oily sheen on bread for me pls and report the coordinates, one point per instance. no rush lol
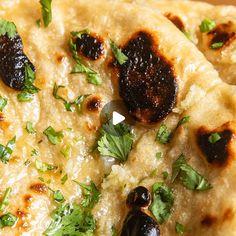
(163, 78)
(187, 16)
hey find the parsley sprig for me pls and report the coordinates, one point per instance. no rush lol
(91, 75)
(189, 177)
(163, 200)
(115, 141)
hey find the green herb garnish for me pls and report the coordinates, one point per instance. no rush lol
(7, 220)
(6, 151)
(46, 11)
(163, 134)
(25, 97)
(71, 219)
(7, 28)
(34, 152)
(159, 155)
(183, 121)
(217, 45)
(162, 203)
(115, 141)
(213, 138)
(90, 193)
(29, 128)
(207, 25)
(53, 136)
(64, 179)
(5, 199)
(91, 75)
(179, 228)
(165, 175)
(66, 151)
(3, 103)
(190, 178)
(43, 167)
(119, 55)
(58, 196)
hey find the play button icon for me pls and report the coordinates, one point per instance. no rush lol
(117, 118)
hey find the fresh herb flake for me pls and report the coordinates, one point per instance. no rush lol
(46, 11)
(115, 141)
(6, 151)
(183, 121)
(58, 196)
(71, 219)
(119, 55)
(5, 199)
(179, 228)
(207, 25)
(3, 103)
(29, 128)
(25, 97)
(7, 220)
(163, 134)
(43, 167)
(213, 138)
(190, 178)
(66, 151)
(34, 152)
(217, 45)
(53, 136)
(159, 155)
(64, 179)
(162, 203)
(7, 28)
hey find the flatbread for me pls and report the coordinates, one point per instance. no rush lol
(47, 48)
(188, 16)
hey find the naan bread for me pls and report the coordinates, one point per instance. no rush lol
(187, 16)
(191, 76)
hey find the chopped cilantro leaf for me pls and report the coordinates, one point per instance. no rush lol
(183, 121)
(207, 25)
(7, 220)
(53, 136)
(3, 103)
(159, 155)
(119, 55)
(162, 203)
(64, 179)
(78, 34)
(6, 151)
(25, 97)
(217, 45)
(66, 151)
(5, 199)
(163, 134)
(71, 219)
(43, 167)
(90, 193)
(91, 75)
(7, 28)
(179, 228)
(213, 138)
(29, 128)
(34, 152)
(190, 178)
(58, 196)
(46, 11)
(115, 141)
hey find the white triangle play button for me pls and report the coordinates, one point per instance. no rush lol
(117, 118)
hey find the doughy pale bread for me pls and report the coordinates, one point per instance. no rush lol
(189, 15)
(47, 48)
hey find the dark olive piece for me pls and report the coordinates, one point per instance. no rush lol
(13, 61)
(138, 197)
(138, 223)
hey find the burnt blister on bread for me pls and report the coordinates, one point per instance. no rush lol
(223, 33)
(90, 46)
(13, 61)
(176, 20)
(220, 152)
(137, 222)
(146, 81)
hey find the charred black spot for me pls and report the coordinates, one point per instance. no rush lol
(93, 104)
(139, 223)
(176, 21)
(13, 61)
(217, 153)
(139, 197)
(222, 34)
(90, 46)
(208, 220)
(146, 81)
